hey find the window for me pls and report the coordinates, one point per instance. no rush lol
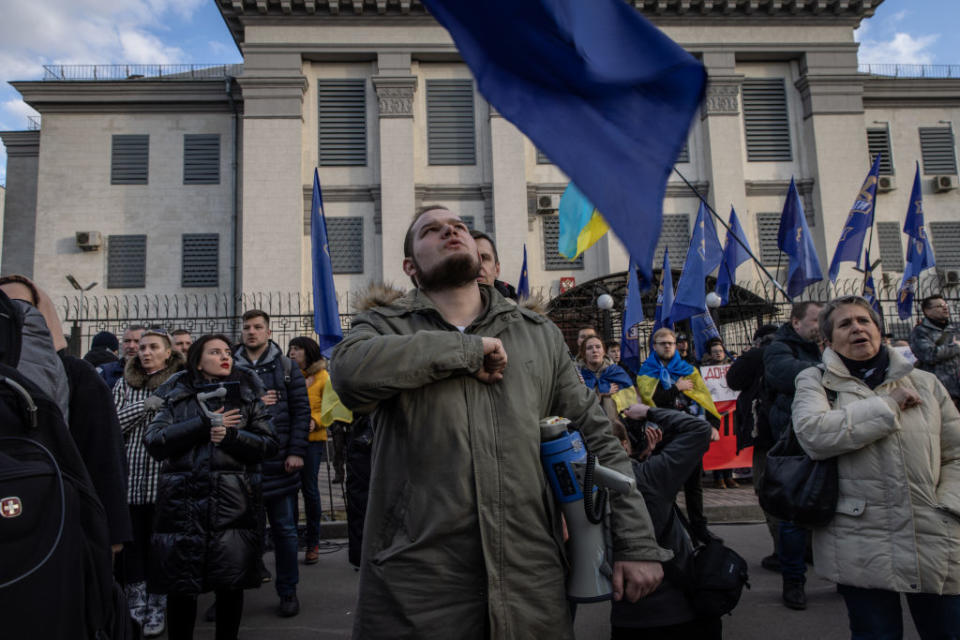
(201, 159)
(129, 159)
(939, 155)
(684, 153)
(126, 262)
(451, 138)
(345, 239)
(765, 120)
(342, 123)
(878, 141)
(675, 233)
(768, 226)
(553, 261)
(200, 260)
(946, 243)
(891, 250)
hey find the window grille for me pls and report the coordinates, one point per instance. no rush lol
(200, 260)
(765, 120)
(129, 160)
(126, 261)
(451, 137)
(342, 123)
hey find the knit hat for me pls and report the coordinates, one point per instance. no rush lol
(105, 340)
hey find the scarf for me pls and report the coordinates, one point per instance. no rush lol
(612, 374)
(873, 371)
(668, 373)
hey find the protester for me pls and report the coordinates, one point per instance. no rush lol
(208, 534)
(286, 399)
(751, 423)
(673, 444)
(936, 345)
(113, 371)
(181, 341)
(667, 381)
(601, 375)
(583, 334)
(612, 348)
(683, 348)
(795, 348)
(305, 353)
(143, 375)
(490, 265)
(716, 355)
(895, 434)
(104, 348)
(461, 541)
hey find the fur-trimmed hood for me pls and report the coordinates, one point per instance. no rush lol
(314, 369)
(137, 378)
(378, 294)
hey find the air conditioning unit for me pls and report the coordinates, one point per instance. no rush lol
(944, 183)
(548, 203)
(89, 240)
(886, 183)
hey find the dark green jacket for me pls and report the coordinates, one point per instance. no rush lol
(462, 538)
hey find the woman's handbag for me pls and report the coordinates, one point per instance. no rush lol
(797, 488)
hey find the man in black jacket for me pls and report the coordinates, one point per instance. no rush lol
(286, 398)
(795, 348)
(677, 441)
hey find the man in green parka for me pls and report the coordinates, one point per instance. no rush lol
(462, 538)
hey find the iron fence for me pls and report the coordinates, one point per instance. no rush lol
(112, 72)
(896, 70)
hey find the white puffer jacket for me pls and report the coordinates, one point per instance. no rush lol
(897, 524)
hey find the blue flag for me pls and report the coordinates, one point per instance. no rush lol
(919, 252)
(703, 329)
(523, 284)
(661, 317)
(734, 254)
(596, 87)
(632, 316)
(326, 313)
(869, 289)
(859, 220)
(794, 239)
(712, 249)
(691, 298)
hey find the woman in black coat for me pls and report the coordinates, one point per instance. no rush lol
(207, 534)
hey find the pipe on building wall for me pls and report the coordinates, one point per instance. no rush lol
(235, 230)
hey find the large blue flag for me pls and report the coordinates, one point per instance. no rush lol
(691, 298)
(703, 329)
(919, 252)
(869, 289)
(523, 284)
(632, 316)
(326, 313)
(734, 254)
(661, 317)
(794, 239)
(859, 220)
(711, 242)
(596, 87)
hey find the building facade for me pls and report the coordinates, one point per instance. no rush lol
(161, 181)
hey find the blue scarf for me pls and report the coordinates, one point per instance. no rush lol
(667, 373)
(611, 375)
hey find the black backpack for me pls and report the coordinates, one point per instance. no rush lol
(56, 578)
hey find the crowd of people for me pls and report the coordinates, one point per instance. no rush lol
(204, 442)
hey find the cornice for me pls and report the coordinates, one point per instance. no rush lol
(343, 193)
(21, 143)
(126, 96)
(433, 192)
(880, 92)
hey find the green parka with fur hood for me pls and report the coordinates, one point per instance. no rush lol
(462, 538)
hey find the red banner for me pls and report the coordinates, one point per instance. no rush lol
(723, 453)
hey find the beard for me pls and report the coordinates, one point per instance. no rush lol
(454, 272)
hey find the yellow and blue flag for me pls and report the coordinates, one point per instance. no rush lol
(581, 225)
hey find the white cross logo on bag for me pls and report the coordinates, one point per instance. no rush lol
(11, 507)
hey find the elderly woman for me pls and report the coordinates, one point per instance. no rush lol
(896, 436)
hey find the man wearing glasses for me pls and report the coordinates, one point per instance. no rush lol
(934, 343)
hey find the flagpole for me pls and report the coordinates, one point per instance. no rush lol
(746, 248)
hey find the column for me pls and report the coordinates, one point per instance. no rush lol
(20, 210)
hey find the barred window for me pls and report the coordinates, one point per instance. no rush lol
(201, 159)
(768, 226)
(451, 130)
(878, 141)
(765, 120)
(342, 122)
(345, 240)
(200, 260)
(945, 237)
(675, 233)
(129, 161)
(553, 261)
(891, 248)
(937, 149)
(126, 261)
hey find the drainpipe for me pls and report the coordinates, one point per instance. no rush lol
(234, 292)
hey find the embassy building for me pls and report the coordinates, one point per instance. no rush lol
(171, 179)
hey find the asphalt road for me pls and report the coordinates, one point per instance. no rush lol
(327, 592)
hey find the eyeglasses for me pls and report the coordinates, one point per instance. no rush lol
(665, 344)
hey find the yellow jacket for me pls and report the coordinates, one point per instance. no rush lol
(316, 376)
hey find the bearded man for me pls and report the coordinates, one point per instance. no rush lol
(462, 537)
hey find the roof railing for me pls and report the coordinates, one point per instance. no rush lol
(912, 70)
(114, 72)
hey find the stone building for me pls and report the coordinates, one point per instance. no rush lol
(158, 180)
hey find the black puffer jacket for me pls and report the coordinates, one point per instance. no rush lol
(207, 533)
(783, 360)
(291, 416)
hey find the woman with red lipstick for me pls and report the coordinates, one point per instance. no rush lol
(207, 535)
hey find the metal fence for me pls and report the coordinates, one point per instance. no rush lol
(912, 70)
(112, 72)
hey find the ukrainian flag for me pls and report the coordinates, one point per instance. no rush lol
(581, 225)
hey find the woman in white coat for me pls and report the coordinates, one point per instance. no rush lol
(896, 436)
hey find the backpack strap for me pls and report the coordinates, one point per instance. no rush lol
(287, 366)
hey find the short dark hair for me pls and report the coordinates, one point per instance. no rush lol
(826, 324)
(195, 353)
(408, 237)
(256, 313)
(713, 342)
(179, 332)
(611, 344)
(480, 235)
(928, 301)
(310, 348)
(135, 327)
(799, 309)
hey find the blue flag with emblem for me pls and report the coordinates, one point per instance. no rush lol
(794, 239)
(703, 329)
(713, 252)
(661, 317)
(869, 289)
(326, 313)
(691, 298)
(734, 254)
(523, 284)
(632, 316)
(605, 94)
(859, 220)
(919, 252)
